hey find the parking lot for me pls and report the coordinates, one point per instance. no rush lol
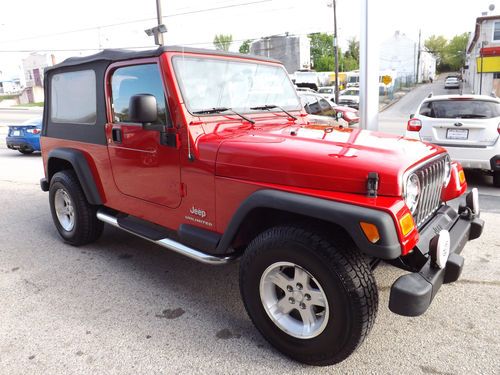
(122, 305)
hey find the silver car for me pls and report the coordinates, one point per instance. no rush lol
(452, 83)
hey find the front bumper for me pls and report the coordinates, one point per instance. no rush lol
(412, 294)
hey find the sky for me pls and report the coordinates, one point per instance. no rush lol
(68, 27)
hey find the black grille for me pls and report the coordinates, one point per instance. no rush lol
(431, 178)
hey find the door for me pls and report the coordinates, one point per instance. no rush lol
(142, 167)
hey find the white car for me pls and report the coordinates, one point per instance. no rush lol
(452, 83)
(468, 126)
(350, 97)
(327, 92)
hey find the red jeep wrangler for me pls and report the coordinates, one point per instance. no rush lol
(211, 155)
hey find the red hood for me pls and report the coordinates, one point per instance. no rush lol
(319, 157)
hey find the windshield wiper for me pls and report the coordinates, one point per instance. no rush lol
(220, 110)
(268, 107)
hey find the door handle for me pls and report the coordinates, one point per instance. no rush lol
(116, 134)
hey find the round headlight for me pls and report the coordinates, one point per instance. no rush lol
(447, 170)
(412, 192)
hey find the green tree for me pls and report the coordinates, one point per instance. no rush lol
(222, 42)
(245, 46)
(436, 45)
(353, 49)
(455, 51)
(322, 52)
(450, 55)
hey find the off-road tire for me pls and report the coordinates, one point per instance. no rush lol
(496, 179)
(347, 281)
(87, 228)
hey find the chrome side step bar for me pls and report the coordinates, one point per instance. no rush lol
(169, 244)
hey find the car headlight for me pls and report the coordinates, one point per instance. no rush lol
(447, 170)
(412, 192)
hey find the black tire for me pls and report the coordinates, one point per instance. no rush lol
(87, 228)
(340, 269)
(26, 151)
(496, 179)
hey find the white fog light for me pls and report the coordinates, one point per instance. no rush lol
(440, 248)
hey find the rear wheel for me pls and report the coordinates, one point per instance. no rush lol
(74, 218)
(26, 151)
(312, 298)
(496, 179)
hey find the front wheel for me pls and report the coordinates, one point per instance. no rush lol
(312, 297)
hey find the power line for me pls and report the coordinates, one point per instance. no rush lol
(136, 21)
(27, 50)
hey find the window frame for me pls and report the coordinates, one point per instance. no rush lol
(109, 92)
(493, 32)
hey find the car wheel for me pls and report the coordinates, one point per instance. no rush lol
(26, 151)
(312, 297)
(74, 218)
(496, 179)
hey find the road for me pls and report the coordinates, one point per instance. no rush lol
(124, 306)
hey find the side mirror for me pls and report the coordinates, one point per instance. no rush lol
(412, 116)
(143, 109)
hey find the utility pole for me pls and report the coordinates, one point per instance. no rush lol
(158, 31)
(418, 54)
(336, 50)
(159, 17)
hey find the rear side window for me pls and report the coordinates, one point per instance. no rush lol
(132, 80)
(460, 109)
(73, 97)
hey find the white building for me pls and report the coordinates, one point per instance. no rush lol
(426, 67)
(293, 51)
(483, 56)
(34, 66)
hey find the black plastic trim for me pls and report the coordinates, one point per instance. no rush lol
(412, 294)
(198, 238)
(81, 167)
(345, 215)
(143, 228)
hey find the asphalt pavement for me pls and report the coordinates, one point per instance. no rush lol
(125, 306)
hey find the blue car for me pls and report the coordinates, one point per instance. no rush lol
(25, 138)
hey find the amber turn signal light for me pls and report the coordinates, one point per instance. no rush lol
(371, 232)
(461, 176)
(406, 223)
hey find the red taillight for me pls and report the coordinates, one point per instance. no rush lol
(498, 128)
(414, 125)
(36, 131)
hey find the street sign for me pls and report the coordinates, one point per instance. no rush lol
(386, 80)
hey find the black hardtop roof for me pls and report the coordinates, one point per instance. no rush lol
(112, 55)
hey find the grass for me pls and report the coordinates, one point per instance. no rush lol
(37, 104)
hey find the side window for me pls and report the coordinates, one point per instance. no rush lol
(73, 97)
(132, 80)
(496, 31)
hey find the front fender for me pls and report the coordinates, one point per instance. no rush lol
(344, 215)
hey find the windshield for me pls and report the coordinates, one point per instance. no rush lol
(353, 79)
(351, 92)
(460, 109)
(212, 83)
(325, 91)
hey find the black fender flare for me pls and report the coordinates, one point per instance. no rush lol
(82, 169)
(347, 216)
